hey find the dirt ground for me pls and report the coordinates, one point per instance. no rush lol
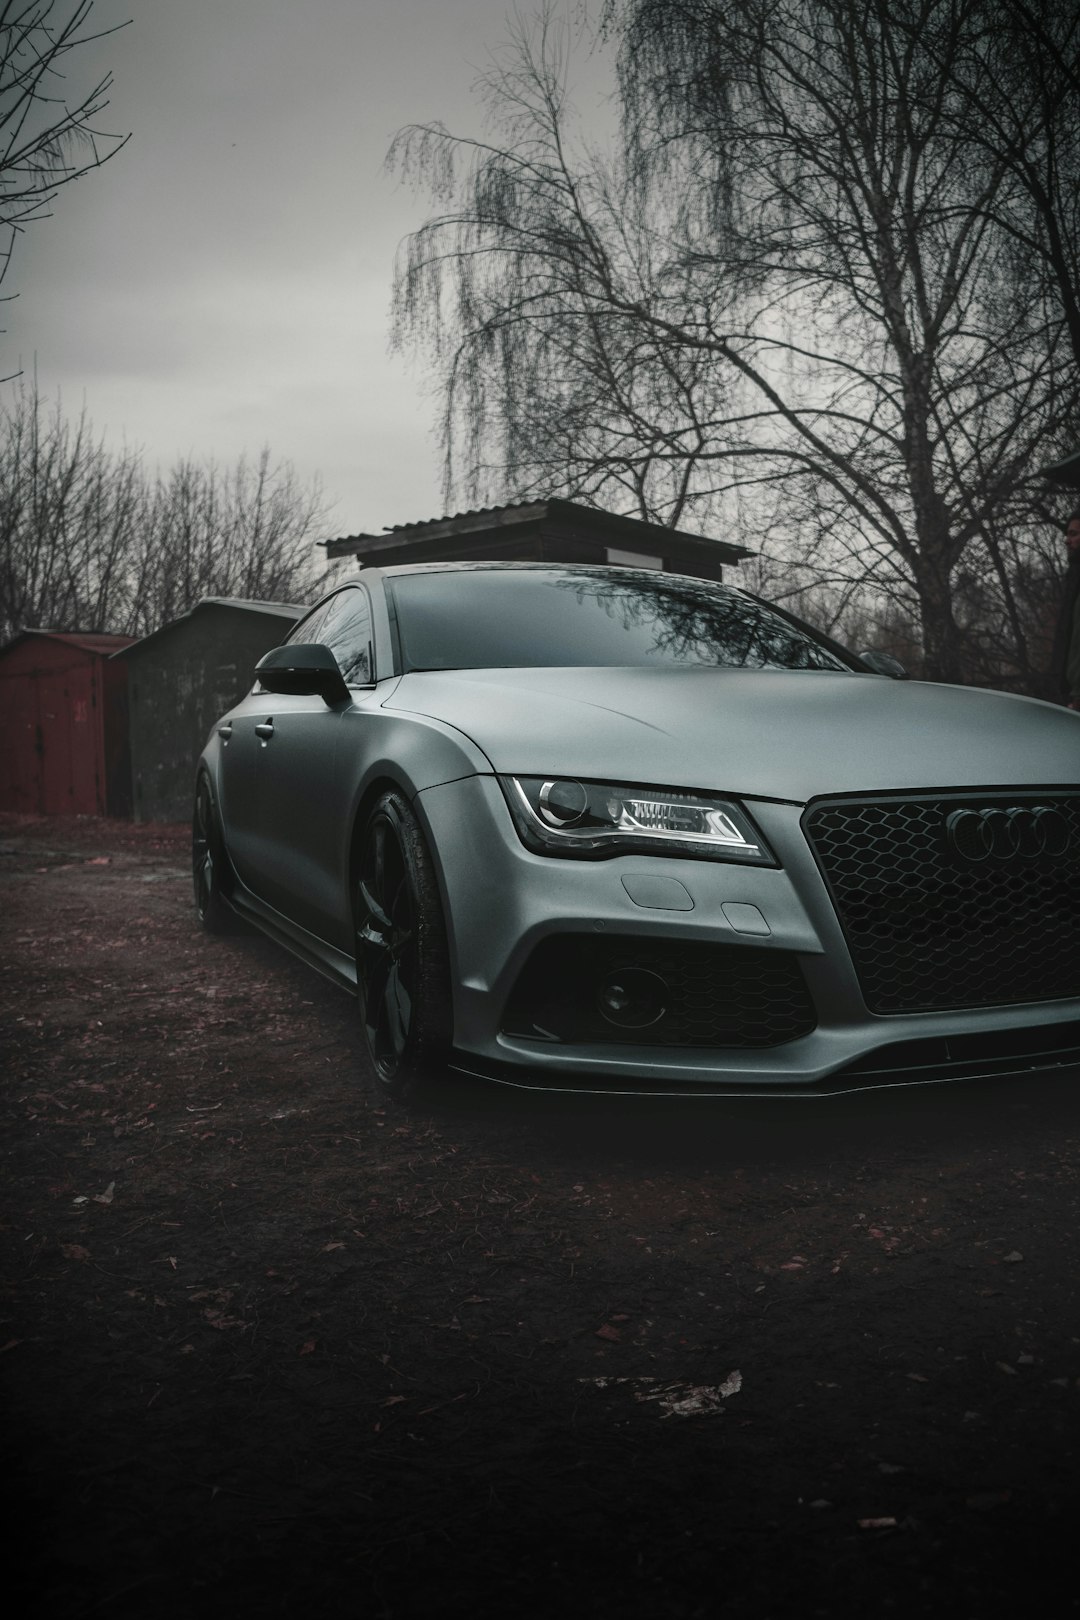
(273, 1347)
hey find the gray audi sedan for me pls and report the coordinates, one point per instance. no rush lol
(601, 828)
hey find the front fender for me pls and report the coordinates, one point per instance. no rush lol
(413, 751)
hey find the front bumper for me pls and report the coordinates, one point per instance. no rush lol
(501, 902)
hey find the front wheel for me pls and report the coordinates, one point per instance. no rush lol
(402, 961)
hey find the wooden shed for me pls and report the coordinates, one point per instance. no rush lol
(542, 531)
(181, 679)
(63, 725)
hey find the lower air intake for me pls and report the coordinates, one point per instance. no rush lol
(713, 995)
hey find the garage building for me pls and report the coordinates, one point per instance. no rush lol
(181, 679)
(63, 725)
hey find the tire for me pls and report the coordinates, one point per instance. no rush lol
(402, 960)
(209, 863)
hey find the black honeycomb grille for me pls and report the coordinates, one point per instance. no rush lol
(929, 929)
(718, 995)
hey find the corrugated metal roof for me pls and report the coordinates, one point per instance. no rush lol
(473, 511)
(554, 507)
(285, 609)
(281, 610)
(447, 517)
(87, 641)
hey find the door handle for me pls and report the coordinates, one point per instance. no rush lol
(224, 732)
(265, 730)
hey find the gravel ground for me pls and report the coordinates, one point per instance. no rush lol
(273, 1346)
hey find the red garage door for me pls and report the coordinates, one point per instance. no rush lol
(62, 714)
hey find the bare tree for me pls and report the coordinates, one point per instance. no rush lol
(1014, 107)
(89, 541)
(47, 136)
(244, 531)
(528, 290)
(68, 520)
(784, 294)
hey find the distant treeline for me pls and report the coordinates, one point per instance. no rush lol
(91, 540)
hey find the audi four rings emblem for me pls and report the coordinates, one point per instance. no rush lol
(999, 834)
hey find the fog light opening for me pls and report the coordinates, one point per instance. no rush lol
(632, 998)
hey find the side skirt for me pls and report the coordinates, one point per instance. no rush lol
(326, 959)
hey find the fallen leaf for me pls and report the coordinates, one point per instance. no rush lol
(326, 1248)
(690, 1400)
(99, 860)
(10, 1345)
(1012, 1258)
(1003, 1366)
(608, 1332)
(886, 1522)
(74, 1251)
(307, 1347)
(217, 1319)
(105, 1197)
(394, 1400)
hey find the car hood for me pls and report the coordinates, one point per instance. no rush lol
(783, 734)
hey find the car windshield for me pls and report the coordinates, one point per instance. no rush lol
(491, 618)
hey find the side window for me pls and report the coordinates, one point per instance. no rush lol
(346, 630)
(307, 630)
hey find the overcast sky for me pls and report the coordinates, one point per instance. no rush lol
(224, 282)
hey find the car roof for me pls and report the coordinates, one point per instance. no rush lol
(498, 565)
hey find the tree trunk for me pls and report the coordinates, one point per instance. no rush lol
(940, 633)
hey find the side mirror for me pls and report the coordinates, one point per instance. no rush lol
(883, 663)
(303, 669)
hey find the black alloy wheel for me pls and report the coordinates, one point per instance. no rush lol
(402, 963)
(209, 862)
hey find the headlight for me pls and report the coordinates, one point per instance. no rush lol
(563, 816)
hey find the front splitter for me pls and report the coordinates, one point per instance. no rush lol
(934, 1062)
